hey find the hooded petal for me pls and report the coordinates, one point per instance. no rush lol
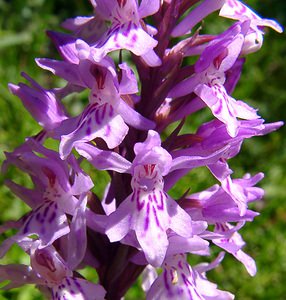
(65, 44)
(42, 104)
(128, 83)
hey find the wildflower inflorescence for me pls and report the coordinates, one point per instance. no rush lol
(137, 228)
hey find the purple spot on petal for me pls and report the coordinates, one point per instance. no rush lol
(187, 283)
(146, 224)
(103, 111)
(108, 130)
(129, 26)
(134, 38)
(38, 216)
(154, 198)
(111, 110)
(38, 208)
(68, 282)
(97, 117)
(231, 4)
(161, 206)
(127, 31)
(166, 280)
(140, 202)
(52, 217)
(88, 111)
(46, 210)
(78, 285)
(156, 217)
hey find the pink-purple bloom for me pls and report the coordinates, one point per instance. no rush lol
(179, 281)
(136, 226)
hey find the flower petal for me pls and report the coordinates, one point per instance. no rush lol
(103, 160)
(77, 239)
(73, 288)
(119, 222)
(95, 121)
(133, 118)
(127, 36)
(48, 222)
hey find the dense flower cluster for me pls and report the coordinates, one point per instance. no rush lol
(137, 227)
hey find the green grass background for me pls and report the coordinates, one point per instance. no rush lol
(262, 85)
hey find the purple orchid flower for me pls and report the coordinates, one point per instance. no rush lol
(90, 29)
(127, 30)
(136, 224)
(50, 271)
(42, 104)
(215, 205)
(236, 10)
(177, 244)
(107, 114)
(48, 268)
(59, 187)
(213, 136)
(232, 9)
(149, 211)
(208, 81)
(233, 245)
(53, 178)
(179, 280)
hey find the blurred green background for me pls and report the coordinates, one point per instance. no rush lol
(262, 85)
